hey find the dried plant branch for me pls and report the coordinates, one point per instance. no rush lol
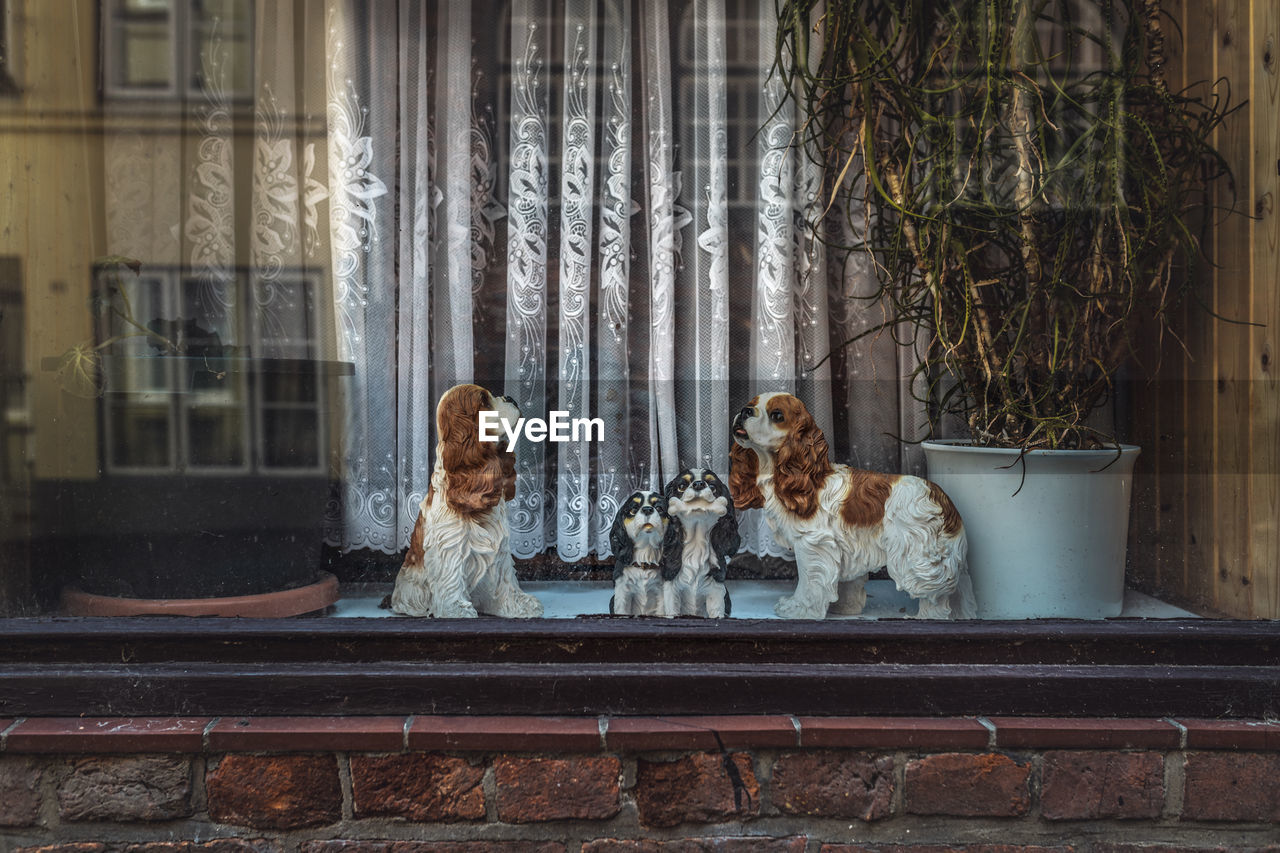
(1032, 190)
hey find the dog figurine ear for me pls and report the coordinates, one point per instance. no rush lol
(670, 491)
(801, 466)
(672, 549)
(620, 542)
(477, 481)
(744, 468)
(725, 541)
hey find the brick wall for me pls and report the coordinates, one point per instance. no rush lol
(674, 785)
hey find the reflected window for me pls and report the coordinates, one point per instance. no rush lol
(165, 48)
(195, 381)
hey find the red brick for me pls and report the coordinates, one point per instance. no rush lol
(108, 734)
(833, 784)
(506, 734)
(1254, 735)
(941, 848)
(432, 847)
(705, 787)
(419, 786)
(19, 791)
(698, 845)
(893, 732)
(1088, 785)
(124, 789)
(1107, 847)
(1238, 786)
(275, 791)
(636, 734)
(984, 785)
(540, 789)
(218, 845)
(1070, 733)
(307, 734)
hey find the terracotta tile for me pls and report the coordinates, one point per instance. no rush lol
(304, 734)
(730, 732)
(746, 731)
(657, 733)
(890, 732)
(508, 734)
(1090, 733)
(108, 734)
(1232, 734)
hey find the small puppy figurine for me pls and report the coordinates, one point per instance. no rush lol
(694, 567)
(640, 530)
(459, 560)
(843, 523)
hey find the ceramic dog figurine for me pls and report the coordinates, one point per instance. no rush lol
(640, 532)
(701, 511)
(459, 561)
(843, 523)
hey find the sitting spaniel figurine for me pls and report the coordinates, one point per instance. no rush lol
(459, 561)
(843, 523)
(701, 511)
(641, 531)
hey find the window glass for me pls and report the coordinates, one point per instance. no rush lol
(254, 244)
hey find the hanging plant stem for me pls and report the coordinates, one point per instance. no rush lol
(1035, 193)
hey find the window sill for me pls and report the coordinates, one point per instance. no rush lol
(601, 665)
(752, 599)
(51, 735)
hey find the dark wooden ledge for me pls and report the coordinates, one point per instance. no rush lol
(1199, 668)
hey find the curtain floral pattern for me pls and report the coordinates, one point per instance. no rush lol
(589, 205)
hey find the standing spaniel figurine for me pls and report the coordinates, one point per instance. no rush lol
(844, 523)
(459, 561)
(641, 532)
(707, 536)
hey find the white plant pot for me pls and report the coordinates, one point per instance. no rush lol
(1050, 545)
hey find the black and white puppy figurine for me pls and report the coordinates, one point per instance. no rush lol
(701, 511)
(638, 537)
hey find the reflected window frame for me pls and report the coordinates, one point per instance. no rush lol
(181, 22)
(8, 47)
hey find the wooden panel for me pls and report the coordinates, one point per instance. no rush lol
(1200, 30)
(1217, 473)
(1171, 391)
(1264, 493)
(1234, 280)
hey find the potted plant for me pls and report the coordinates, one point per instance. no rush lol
(1033, 194)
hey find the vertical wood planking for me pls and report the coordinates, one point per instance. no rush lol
(1200, 33)
(1170, 388)
(1264, 493)
(1233, 295)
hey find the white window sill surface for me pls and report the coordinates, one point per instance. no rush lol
(752, 599)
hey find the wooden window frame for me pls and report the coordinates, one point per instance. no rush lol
(8, 85)
(602, 665)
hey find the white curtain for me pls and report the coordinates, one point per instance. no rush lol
(590, 205)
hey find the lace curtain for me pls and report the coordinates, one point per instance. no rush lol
(588, 205)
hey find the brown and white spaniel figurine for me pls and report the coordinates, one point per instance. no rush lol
(844, 523)
(459, 561)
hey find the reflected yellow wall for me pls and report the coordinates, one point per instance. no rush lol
(51, 211)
